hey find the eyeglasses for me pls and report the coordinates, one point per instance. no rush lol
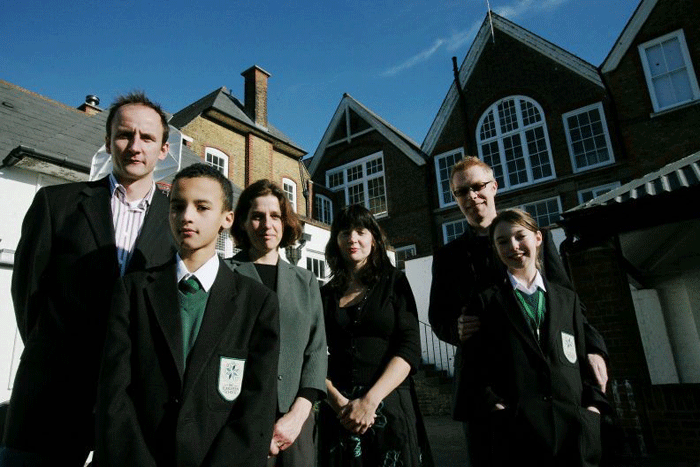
(464, 190)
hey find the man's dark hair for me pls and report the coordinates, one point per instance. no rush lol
(290, 221)
(136, 97)
(352, 217)
(207, 171)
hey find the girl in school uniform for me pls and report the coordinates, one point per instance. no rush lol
(534, 391)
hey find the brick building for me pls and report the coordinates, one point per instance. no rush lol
(652, 76)
(237, 138)
(633, 252)
(540, 116)
(363, 159)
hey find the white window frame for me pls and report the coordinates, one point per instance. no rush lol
(322, 201)
(445, 239)
(597, 190)
(290, 193)
(224, 244)
(364, 180)
(410, 249)
(539, 201)
(218, 154)
(522, 129)
(678, 34)
(442, 195)
(570, 143)
(323, 267)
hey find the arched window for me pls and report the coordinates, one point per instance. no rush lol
(290, 189)
(217, 159)
(512, 138)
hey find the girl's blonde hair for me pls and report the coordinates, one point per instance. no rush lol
(521, 218)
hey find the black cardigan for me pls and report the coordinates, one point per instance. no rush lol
(360, 350)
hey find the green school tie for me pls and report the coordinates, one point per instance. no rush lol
(189, 286)
(533, 310)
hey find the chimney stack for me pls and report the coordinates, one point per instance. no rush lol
(256, 94)
(90, 106)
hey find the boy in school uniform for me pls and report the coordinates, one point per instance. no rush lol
(190, 361)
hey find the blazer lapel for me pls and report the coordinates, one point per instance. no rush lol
(151, 232)
(562, 299)
(162, 294)
(214, 323)
(96, 207)
(248, 269)
(517, 319)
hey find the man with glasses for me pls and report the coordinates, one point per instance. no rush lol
(467, 266)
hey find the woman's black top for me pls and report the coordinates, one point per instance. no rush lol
(363, 338)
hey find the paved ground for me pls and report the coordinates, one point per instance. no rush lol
(447, 443)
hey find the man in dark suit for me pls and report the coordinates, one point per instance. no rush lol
(467, 266)
(77, 239)
(189, 375)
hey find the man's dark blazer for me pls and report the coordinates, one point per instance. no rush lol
(467, 266)
(64, 272)
(544, 388)
(156, 409)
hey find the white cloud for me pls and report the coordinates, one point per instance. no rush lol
(512, 11)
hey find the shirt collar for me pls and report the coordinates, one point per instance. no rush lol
(206, 274)
(143, 203)
(537, 283)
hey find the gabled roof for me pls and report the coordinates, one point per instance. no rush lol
(683, 173)
(223, 101)
(542, 46)
(30, 123)
(628, 34)
(405, 144)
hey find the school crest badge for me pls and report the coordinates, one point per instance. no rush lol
(569, 346)
(230, 377)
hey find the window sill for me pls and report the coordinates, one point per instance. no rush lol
(672, 109)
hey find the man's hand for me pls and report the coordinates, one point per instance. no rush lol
(600, 370)
(467, 325)
(358, 415)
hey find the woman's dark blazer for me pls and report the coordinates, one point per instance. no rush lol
(303, 360)
(545, 386)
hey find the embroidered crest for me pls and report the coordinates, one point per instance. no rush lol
(230, 377)
(569, 346)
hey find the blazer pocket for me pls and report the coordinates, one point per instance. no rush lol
(589, 439)
(225, 377)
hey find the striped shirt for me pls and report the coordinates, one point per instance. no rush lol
(128, 220)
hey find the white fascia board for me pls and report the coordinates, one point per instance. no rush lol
(627, 36)
(321, 148)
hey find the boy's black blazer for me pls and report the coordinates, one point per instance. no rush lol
(154, 408)
(64, 271)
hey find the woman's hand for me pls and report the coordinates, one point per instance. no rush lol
(358, 415)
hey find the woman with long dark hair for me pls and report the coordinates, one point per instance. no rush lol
(263, 222)
(372, 416)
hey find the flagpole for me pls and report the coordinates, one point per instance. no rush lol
(488, 7)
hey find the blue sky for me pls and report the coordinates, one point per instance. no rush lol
(393, 56)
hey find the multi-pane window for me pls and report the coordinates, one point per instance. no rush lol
(587, 137)
(403, 254)
(217, 159)
(512, 139)
(545, 212)
(669, 71)
(362, 182)
(224, 244)
(290, 189)
(317, 266)
(585, 196)
(443, 167)
(323, 209)
(452, 230)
